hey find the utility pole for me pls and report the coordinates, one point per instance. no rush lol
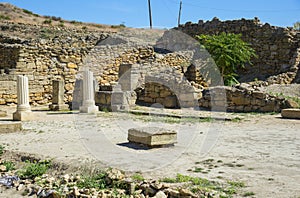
(150, 14)
(179, 15)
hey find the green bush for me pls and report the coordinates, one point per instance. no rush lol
(32, 170)
(2, 17)
(138, 177)
(229, 52)
(97, 181)
(118, 26)
(47, 21)
(27, 12)
(9, 165)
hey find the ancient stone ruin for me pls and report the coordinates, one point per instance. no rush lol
(136, 67)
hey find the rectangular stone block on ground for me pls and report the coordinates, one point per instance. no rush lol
(152, 136)
(10, 127)
(291, 113)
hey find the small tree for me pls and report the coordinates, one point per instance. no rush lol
(297, 25)
(229, 52)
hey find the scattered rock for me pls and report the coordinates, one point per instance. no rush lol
(2, 168)
(161, 194)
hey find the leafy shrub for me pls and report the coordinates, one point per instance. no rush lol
(9, 165)
(118, 26)
(27, 12)
(61, 24)
(138, 177)
(54, 18)
(47, 21)
(229, 52)
(94, 181)
(2, 17)
(75, 22)
(32, 170)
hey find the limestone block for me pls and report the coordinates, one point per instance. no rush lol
(152, 136)
(3, 113)
(259, 95)
(10, 127)
(71, 65)
(291, 113)
(23, 116)
(2, 101)
(269, 107)
(58, 107)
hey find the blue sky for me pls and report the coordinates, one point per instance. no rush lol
(134, 13)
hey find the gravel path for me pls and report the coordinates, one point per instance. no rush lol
(261, 150)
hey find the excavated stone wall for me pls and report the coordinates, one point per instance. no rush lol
(277, 48)
(59, 53)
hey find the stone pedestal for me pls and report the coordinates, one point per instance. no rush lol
(23, 112)
(88, 105)
(58, 96)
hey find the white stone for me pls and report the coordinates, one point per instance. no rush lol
(88, 105)
(23, 112)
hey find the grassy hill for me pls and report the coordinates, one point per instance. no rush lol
(13, 14)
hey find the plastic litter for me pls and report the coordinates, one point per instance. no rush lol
(8, 180)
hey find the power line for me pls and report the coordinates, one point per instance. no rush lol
(234, 10)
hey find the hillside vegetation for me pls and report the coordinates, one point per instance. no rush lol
(12, 14)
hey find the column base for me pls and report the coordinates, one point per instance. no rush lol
(88, 109)
(59, 107)
(23, 116)
(116, 108)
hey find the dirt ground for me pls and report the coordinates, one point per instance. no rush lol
(261, 150)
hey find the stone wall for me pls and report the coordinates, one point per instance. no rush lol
(8, 57)
(241, 98)
(277, 48)
(52, 54)
(60, 53)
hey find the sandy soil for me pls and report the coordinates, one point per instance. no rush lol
(263, 151)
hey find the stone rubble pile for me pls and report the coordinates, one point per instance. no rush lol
(114, 184)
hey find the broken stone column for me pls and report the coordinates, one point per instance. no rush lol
(58, 103)
(88, 105)
(23, 112)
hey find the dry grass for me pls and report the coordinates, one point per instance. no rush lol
(14, 14)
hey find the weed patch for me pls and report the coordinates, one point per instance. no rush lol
(32, 170)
